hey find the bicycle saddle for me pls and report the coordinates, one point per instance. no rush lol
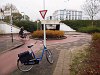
(30, 46)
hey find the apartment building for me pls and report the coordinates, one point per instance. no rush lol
(67, 15)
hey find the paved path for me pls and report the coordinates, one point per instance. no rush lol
(8, 63)
(65, 56)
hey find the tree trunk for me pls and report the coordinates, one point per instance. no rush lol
(92, 21)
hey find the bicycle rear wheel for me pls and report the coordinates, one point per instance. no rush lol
(23, 67)
(49, 56)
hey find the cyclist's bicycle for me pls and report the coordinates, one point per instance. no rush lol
(27, 59)
(22, 35)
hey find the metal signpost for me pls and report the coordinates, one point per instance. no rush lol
(43, 13)
(11, 22)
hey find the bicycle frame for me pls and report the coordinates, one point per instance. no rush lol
(28, 64)
(41, 56)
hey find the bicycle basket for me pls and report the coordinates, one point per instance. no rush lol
(25, 56)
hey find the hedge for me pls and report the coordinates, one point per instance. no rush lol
(49, 34)
(28, 25)
(89, 29)
(83, 25)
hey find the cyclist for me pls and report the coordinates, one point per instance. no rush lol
(21, 32)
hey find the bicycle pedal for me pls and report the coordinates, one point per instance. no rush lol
(36, 61)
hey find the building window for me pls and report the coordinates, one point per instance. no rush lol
(75, 17)
(72, 13)
(69, 17)
(61, 12)
(61, 17)
(72, 17)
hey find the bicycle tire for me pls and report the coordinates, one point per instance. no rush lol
(49, 56)
(23, 67)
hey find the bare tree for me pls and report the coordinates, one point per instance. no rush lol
(13, 11)
(8, 6)
(91, 8)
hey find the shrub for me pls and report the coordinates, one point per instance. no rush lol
(89, 29)
(96, 36)
(37, 34)
(81, 25)
(95, 53)
(28, 25)
(76, 24)
(49, 34)
(96, 42)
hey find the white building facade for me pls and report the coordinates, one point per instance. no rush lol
(55, 25)
(67, 15)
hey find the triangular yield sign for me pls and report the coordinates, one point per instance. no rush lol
(43, 13)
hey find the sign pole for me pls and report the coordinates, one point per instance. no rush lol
(44, 26)
(11, 22)
(43, 13)
(44, 35)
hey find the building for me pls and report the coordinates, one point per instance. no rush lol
(55, 25)
(67, 15)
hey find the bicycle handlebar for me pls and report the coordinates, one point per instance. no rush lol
(34, 43)
(39, 40)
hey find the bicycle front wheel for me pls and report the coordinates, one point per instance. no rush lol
(49, 56)
(23, 67)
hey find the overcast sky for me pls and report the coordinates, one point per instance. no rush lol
(32, 7)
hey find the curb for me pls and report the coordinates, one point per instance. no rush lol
(14, 47)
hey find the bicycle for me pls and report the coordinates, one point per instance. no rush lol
(22, 35)
(27, 59)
